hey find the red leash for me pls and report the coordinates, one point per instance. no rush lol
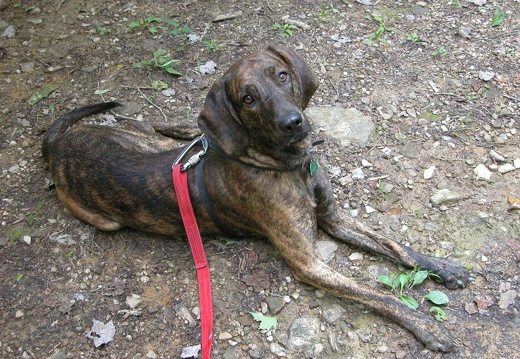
(180, 183)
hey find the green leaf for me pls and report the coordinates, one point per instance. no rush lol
(151, 19)
(384, 279)
(403, 280)
(409, 301)
(134, 24)
(41, 95)
(437, 297)
(498, 17)
(100, 92)
(438, 313)
(172, 23)
(265, 322)
(419, 277)
(18, 277)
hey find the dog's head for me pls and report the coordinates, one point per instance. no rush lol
(258, 103)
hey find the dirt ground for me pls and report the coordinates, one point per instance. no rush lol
(442, 85)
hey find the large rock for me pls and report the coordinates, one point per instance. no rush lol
(347, 125)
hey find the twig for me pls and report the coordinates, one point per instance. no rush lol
(511, 97)
(59, 5)
(153, 104)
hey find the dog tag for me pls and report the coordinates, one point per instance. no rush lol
(313, 167)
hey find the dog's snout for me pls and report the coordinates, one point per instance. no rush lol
(293, 123)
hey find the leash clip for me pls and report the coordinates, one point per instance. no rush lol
(193, 160)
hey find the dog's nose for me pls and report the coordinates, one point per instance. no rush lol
(292, 123)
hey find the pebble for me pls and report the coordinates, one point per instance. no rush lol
(151, 354)
(326, 249)
(27, 239)
(496, 156)
(331, 314)
(133, 300)
(10, 31)
(486, 75)
(507, 299)
(277, 350)
(506, 168)
(256, 352)
(224, 336)
(369, 209)
(365, 163)
(482, 173)
(319, 293)
(303, 331)
(428, 173)
(516, 163)
(275, 304)
(445, 196)
(27, 67)
(356, 256)
(357, 173)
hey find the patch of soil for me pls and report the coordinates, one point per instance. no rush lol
(441, 83)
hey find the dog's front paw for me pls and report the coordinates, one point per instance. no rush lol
(452, 274)
(436, 340)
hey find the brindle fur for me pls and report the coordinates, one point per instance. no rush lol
(115, 178)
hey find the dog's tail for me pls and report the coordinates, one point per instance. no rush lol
(62, 123)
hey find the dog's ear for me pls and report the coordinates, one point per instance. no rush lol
(306, 79)
(219, 121)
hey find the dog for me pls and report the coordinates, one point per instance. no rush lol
(257, 178)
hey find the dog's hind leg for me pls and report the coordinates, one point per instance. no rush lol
(99, 221)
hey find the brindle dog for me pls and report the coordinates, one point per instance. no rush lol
(256, 175)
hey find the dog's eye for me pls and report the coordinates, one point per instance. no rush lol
(283, 76)
(248, 100)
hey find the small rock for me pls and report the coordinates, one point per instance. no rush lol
(224, 336)
(507, 299)
(428, 173)
(496, 156)
(326, 249)
(357, 173)
(486, 75)
(369, 209)
(151, 354)
(471, 308)
(133, 300)
(332, 313)
(365, 163)
(19, 314)
(355, 257)
(275, 304)
(9, 32)
(303, 331)
(256, 352)
(482, 173)
(277, 349)
(27, 67)
(190, 352)
(464, 32)
(27, 239)
(516, 163)
(319, 293)
(506, 168)
(445, 196)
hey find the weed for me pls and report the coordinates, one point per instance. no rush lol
(498, 17)
(441, 51)
(16, 233)
(407, 280)
(159, 85)
(324, 15)
(383, 26)
(18, 277)
(413, 37)
(155, 24)
(161, 61)
(70, 255)
(287, 29)
(103, 30)
(211, 45)
(456, 4)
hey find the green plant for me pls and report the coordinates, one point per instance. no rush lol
(498, 17)
(154, 24)
(18, 277)
(287, 29)
(159, 85)
(383, 26)
(16, 233)
(456, 4)
(103, 30)
(70, 255)
(211, 45)
(413, 37)
(407, 280)
(161, 61)
(441, 51)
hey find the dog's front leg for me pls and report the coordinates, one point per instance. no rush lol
(344, 228)
(300, 255)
